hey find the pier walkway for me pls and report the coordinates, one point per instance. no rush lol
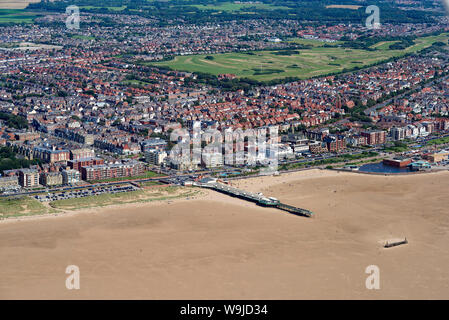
(258, 198)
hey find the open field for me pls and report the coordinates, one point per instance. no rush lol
(383, 45)
(100, 7)
(15, 4)
(319, 60)
(149, 195)
(224, 7)
(27, 46)
(231, 6)
(439, 141)
(27, 206)
(217, 247)
(16, 16)
(21, 207)
(313, 42)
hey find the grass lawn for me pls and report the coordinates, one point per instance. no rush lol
(83, 37)
(21, 207)
(313, 42)
(319, 60)
(101, 7)
(150, 183)
(383, 45)
(134, 82)
(396, 149)
(439, 141)
(157, 194)
(27, 206)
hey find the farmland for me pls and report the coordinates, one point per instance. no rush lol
(231, 6)
(318, 60)
(16, 16)
(15, 4)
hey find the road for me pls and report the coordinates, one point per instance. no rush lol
(227, 170)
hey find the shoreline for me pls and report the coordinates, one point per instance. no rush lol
(69, 213)
(301, 174)
(219, 247)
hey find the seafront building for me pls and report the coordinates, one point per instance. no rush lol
(28, 178)
(155, 157)
(116, 170)
(84, 162)
(70, 176)
(437, 156)
(9, 182)
(51, 179)
(374, 137)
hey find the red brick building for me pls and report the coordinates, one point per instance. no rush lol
(86, 162)
(107, 171)
(374, 137)
(335, 143)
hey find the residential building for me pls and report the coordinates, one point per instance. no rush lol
(51, 179)
(28, 178)
(116, 170)
(153, 144)
(9, 182)
(155, 157)
(335, 143)
(212, 159)
(70, 176)
(374, 137)
(397, 133)
(50, 155)
(85, 162)
(83, 153)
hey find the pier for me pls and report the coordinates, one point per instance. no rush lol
(257, 198)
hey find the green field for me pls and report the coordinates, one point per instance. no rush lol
(21, 207)
(231, 6)
(140, 196)
(439, 141)
(100, 7)
(312, 42)
(83, 37)
(27, 206)
(316, 61)
(16, 16)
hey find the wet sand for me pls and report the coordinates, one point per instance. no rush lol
(217, 247)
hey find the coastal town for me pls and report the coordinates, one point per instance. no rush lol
(80, 110)
(221, 149)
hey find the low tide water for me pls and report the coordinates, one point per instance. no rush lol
(381, 168)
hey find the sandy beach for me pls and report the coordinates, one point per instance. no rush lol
(217, 247)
